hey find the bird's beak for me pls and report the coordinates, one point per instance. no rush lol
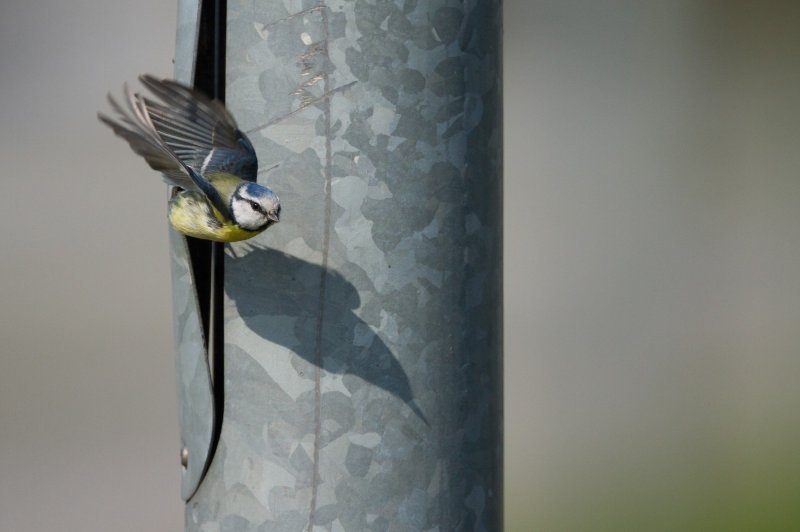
(273, 216)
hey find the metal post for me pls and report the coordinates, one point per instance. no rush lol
(363, 333)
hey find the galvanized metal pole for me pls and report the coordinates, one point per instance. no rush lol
(363, 333)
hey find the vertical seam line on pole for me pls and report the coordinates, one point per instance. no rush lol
(323, 276)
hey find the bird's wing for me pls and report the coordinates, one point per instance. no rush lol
(200, 131)
(134, 126)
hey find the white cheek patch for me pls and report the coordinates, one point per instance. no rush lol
(246, 216)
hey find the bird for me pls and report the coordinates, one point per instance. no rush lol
(196, 144)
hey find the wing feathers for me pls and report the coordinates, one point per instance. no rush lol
(134, 126)
(194, 126)
(183, 134)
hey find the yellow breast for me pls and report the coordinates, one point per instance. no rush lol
(232, 233)
(191, 215)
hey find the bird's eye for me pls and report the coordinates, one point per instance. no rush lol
(255, 206)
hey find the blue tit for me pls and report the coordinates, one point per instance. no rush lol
(195, 143)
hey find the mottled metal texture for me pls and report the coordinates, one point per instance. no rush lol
(195, 399)
(186, 40)
(363, 332)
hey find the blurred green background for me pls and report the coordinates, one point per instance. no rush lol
(652, 269)
(652, 265)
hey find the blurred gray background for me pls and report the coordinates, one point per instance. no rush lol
(652, 269)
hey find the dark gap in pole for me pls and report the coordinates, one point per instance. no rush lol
(207, 258)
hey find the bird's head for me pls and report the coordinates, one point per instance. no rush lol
(254, 207)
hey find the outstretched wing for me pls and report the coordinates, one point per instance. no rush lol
(200, 131)
(133, 125)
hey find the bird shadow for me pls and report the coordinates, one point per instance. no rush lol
(281, 297)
